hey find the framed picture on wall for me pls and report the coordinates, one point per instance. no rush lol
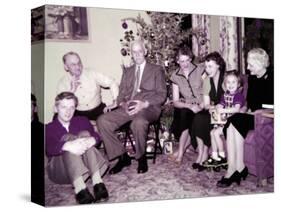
(62, 23)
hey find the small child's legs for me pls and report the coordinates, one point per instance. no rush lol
(218, 132)
(218, 155)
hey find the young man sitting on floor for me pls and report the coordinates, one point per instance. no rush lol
(70, 146)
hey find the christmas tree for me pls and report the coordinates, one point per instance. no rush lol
(163, 36)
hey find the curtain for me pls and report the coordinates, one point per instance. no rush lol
(201, 35)
(228, 41)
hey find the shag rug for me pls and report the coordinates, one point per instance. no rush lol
(164, 180)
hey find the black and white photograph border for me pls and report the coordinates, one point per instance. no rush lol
(17, 196)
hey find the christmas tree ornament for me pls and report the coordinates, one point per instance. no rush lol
(203, 42)
(125, 25)
(123, 52)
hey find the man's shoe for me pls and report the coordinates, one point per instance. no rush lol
(100, 192)
(84, 197)
(123, 161)
(142, 168)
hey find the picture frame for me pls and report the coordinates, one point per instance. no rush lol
(218, 118)
(168, 147)
(47, 68)
(61, 23)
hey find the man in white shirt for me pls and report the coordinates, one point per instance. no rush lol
(86, 85)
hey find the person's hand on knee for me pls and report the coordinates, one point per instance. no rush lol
(136, 106)
(75, 147)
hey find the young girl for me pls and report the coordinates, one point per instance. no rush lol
(231, 102)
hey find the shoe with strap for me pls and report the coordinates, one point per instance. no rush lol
(223, 160)
(210, 162)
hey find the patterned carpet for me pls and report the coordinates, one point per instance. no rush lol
(164, 180)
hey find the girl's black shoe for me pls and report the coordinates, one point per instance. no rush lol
(226, 182)
(201, 168)
(210, 162)
(195, 165)
(244, 173)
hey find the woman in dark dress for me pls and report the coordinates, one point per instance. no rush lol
(187, 98)
(212, 92)
(260, 91)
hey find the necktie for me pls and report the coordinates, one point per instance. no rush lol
(137, 81)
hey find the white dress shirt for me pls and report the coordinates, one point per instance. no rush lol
(89, 90)
(141, 72)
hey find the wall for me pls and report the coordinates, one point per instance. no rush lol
(37, 75)
(101, 53)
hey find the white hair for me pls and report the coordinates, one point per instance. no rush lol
(141, 43)
(259, 55)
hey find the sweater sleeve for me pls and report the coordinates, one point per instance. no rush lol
(53, 143)
(89, 127)
(239, 99)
